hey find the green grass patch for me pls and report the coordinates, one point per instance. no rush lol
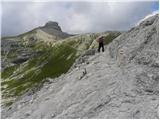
(51, 63)
(110, 37)
(9, 103)
(8, 71)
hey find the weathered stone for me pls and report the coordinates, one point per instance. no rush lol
(105, 90)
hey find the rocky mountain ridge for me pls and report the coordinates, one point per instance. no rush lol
(122, 82)
(54, 29)
(30, 58)
(50, 32)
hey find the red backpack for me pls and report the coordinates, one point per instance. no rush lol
(100, 40)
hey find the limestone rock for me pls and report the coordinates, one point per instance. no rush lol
(106, 90)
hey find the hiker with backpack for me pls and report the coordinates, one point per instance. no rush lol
(100, 40)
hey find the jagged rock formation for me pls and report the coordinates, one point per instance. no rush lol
(122, 82)
(53, 25)
(54, 29)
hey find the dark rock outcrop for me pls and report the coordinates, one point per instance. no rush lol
(54, 29)
(53, 25)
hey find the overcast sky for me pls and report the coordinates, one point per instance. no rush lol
(73, 17)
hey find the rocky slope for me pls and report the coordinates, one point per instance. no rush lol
(29, 59)
(122, 82)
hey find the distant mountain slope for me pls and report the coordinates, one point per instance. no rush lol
(29, 59)
(122, 82)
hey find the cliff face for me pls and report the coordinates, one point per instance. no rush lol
(140, 47)
(122, 82)
(139, 43)
(53, 28)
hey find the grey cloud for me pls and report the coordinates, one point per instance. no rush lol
(73, 17)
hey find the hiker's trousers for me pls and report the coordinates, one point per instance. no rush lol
(101, 46)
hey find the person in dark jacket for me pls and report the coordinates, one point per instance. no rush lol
(100, 40)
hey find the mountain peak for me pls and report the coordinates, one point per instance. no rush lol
(53, 28)
(53, 24)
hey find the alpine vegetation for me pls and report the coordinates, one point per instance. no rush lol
(47, 73)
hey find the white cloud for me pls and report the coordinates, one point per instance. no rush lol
(73, 17)
(146, 17)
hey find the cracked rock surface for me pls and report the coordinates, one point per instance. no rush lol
(105, 85)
